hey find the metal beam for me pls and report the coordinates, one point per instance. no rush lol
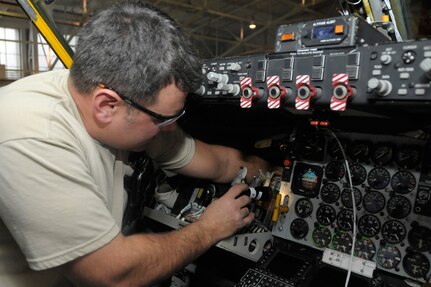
(200, 8)
(264, 28)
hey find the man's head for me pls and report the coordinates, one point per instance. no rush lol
(132, 56)
(137, 50)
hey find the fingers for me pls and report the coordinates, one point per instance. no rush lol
(248, 219)
(236, 190)
(245, 212)
(247, 216)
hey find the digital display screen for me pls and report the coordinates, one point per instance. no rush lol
(285, 266)
(324, 32)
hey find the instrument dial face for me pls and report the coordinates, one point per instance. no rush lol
(365, 248)
(369, 225)
(388, 256)
(360, 151)
(382, 154)
(335, 150)
(346, 197)
(330, 193)
(345, 219)
(373, 201)
(398, 207)
(408, 157)
(312, 148)
(335, 171)
(393, 231)
(325, 214)
(303, 207)
(342, 242)
(321, 236)
(403, 182)
(299, 228)
(419, 238)
(378, 178)
(416, 265)
(358, 173)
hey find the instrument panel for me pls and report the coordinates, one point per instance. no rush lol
(385, 171)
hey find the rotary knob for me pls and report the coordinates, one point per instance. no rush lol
(219, 78)
(380, 87)
(426, 67)
(385, 59)
(231, 89)
(234, 67)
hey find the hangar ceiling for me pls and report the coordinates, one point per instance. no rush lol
(219, 28)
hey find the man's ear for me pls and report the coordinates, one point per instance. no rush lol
(105, 105)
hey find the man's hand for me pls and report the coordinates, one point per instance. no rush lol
(226, 215)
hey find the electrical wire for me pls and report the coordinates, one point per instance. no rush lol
(355, 3)
(343, 11)
(346, 162)
(391, 13)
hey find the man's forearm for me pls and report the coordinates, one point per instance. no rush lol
(159, 255)
(140, 259)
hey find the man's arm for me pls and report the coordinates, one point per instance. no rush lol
(221, 163)
(142, 259)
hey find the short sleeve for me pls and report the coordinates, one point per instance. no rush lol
(50, 203)
(172, 149)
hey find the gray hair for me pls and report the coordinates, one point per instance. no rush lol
(136, 49)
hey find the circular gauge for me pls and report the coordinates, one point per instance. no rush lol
(304, 207)
(358, 173)
(393, 231)
(403, 182)
(299, 228)
(330, 193)
(342, 242)
(388, 256)
(335, 171)
(378, 178)
(365, 248)
(373, 201)
(312, 148)
(321, 236)
(420, 238)
(346, 197)
(369, 225)
(416, 265)
(382, 154)
(335, 150)
(398, 206)
(360, 151)
(408, 157)
(326, 214)
(345, 219)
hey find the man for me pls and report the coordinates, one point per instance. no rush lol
(64, 138)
